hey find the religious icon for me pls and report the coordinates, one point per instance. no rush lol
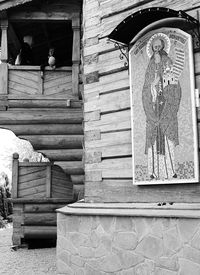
(162, 96)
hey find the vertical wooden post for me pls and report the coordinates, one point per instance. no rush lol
(75, 55)
(15, 171)
(4, 41)
(48, 180)
(4, 58)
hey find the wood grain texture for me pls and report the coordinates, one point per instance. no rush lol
(39, 232)
(53, 141)
(41, 219)
(124, 191)
(41, 117)
(45, 129)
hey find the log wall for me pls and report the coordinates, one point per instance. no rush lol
(38, 189)
(107, 118)
(51, 119)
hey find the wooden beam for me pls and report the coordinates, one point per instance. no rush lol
(15, 175)
(40, 15)
(75, 55)
(4, 40)
(48, 181)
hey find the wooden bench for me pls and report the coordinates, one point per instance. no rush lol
(38, 188)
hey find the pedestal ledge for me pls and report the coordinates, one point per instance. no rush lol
(175, 210)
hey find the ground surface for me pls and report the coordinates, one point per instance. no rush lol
(24, 261)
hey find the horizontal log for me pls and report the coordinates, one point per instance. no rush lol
(37, 68)
(45, 129)
(39, 117)
(40, 15)
(45, 103)
(110, 139)
(40, 219)
(77, 179)
(39, 232)
(42, 208)
(54, 141)
(72, 167)
(64, 154)
(111, 122)
(109, 102)
(124, 191)
(21, 201)
(113, 168)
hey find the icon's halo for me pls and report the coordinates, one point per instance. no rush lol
(154, 37)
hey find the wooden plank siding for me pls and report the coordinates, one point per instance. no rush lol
(107, 118)
(31, 81)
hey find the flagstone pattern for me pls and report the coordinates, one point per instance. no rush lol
(99, 245)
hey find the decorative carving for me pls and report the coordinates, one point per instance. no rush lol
(123, 53)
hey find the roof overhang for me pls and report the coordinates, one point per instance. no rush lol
(139, 23)
(7, 4)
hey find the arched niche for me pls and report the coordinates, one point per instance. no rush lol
(163, 108)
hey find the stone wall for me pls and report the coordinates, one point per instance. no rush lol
(99, 245)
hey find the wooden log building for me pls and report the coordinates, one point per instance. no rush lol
(44, 106)
(120, 227)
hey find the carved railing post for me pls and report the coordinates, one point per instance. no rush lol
(4, 41)
(75, 55)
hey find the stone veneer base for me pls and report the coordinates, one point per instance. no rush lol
(128, 239)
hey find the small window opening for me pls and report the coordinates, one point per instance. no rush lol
(46, 35)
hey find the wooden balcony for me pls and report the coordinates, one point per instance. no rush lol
(31, 82)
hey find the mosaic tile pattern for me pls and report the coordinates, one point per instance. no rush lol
(184, 170)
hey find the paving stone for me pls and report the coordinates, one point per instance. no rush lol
(77, 260)
(146, 268)
(61, 227)
(167, 223)
(125, 240)
(141, 228)
(172, 239)
(124, 224)
(130, 271)
(187, 228)
(157, 229)
(85, 225)
(106, 223)
(64, 256)
(191, 254)
(89, 270)
(72, 224)
(107, 242)
(128, 259)
(196, 240)
(160, 271)
(168, 263)
(64, 244)
(94, 239)
(110, 263)
(188, 267)
(79, 239)
(151, 247)
(86, 252)
(101, 251)
(63, 268)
